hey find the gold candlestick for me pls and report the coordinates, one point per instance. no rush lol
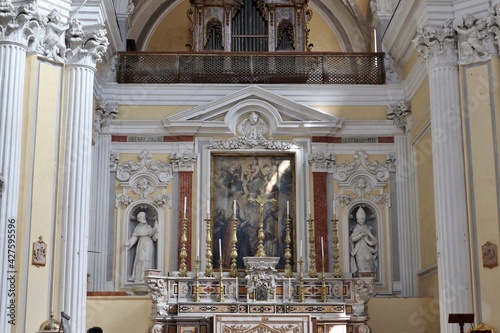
(301, 281)
(337, 273)
(196, 280)
(183, 254)
(209, 270)
(312, 249)
(234, 251)
(323, 283)
(288, 252)
(221, 297)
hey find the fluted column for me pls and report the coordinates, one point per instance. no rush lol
(85, 50)
(406, 202)
(14, 32)
(438, 48)
(98, 237)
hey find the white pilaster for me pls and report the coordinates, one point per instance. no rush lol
(76, 172)
(98, 237)
(406, 202)
(438, 48)
(14, 34)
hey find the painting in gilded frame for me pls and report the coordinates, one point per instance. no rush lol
(238, 181)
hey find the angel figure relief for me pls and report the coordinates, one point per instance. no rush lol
(471, 33)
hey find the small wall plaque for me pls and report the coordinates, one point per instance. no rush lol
(490, 255)
(39, 253)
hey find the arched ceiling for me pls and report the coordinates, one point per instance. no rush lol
(345, 18)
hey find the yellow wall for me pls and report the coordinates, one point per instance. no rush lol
(407, 67)
(148, 112)
(322, 36)
(482, 150)
(172, 33)
(37, 196)
(403, 315)
(356, 112)
(119, 314)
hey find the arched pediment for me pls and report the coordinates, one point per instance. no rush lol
(281, 115)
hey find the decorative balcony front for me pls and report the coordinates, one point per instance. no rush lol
(251, 68)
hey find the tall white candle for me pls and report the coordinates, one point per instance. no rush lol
(185, 205)
(334, 208)
(322, 248)
(234, 209)
(309, 207)
(208, 208)
(287, 208)
(198, 247)
(300, 253)
(220, 250)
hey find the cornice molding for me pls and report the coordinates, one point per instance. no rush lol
(195, 94)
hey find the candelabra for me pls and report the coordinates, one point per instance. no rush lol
(221, 284)
(196, 280)
(323, 283)
(288, 251)
(209, 270)
(183, 254)
(312, 249)
(337, 273)
(234, 251)
(301, 281)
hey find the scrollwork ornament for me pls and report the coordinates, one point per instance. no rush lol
(363, 290)
(437, 46)
(390, 161)
(363, 329)
(114, 158)
(342, 199)
(341, 172)
(19, 24)
(401, 116)
(124, 200)
(85, 48)
(161, 200)
(104, 114)
(157, 328)
(322, 161)
(184, 161)
(493, 23)
(161, 169)
(157, 289)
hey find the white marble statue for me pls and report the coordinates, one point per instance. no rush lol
(471, 33)
(364, 246)
(144, 236)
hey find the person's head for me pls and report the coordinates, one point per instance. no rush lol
(360, 215)
(141, 217)
(254, 117)
(95, 329)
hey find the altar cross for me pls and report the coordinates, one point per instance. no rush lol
(261, 200)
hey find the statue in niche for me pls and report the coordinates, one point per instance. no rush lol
(144, 236)
(364, 250)
(253, 127)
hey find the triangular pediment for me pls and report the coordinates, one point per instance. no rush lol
(284, 117)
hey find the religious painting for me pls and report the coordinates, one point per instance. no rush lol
(39, 257)
(260, 189)
(490, 257)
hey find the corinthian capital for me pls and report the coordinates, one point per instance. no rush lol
(104, 113)
(85, 48)
(401, 116)
(18, 24)
(438, 46)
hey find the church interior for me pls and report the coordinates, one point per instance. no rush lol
(231, 166)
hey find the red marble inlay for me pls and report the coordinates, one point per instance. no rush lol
(327, 139)
(385, 139)
(177, 138)
(119, 138)
(320, 217)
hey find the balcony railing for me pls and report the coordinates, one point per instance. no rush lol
(308, 68)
